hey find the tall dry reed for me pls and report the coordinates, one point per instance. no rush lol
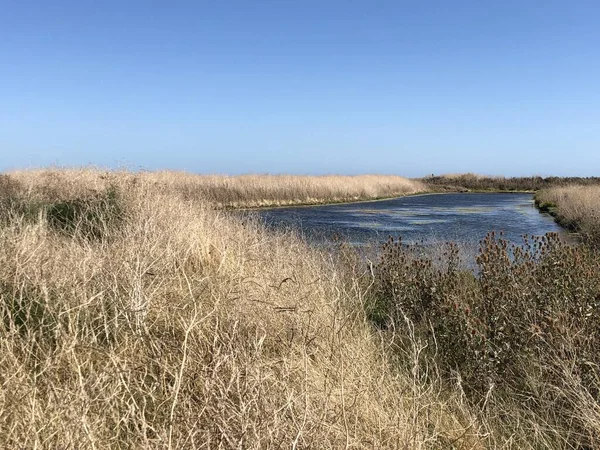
(476, 182)
(243, 191)
(575, 206)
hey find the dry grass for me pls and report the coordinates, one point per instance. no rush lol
(522, 335)
(249, 191)
(475, 182)
(135, 315)
(575, 206)
(245, 191)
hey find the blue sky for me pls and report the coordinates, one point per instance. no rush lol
(279, 86)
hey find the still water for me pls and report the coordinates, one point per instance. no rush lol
(459, 217)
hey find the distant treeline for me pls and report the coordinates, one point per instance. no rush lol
(469, 181)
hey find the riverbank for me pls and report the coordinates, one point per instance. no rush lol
(259, 191)
(470, 182)
(574, 207)
(341, 203)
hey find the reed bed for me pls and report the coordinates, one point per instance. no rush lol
(136, 317)
(242, 191)
(233, 192)
(576, 207)
(475, 182)
(252, 191)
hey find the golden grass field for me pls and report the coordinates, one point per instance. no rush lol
(252, 191)
(184, 327)
(138, 313)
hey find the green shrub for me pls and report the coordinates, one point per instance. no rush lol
(28, 312)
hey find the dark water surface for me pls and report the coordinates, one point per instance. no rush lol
(459, 217)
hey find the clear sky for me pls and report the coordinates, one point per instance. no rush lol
(286, 86)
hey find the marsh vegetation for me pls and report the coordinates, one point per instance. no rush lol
(136, 316)
(254, 191)
(576, 207)
(138, 312)
(476, 182)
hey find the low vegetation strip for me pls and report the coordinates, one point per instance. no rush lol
(252, 191)
(576, 207)
(474, 182)
(242, 191)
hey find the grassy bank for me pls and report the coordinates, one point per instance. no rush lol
(480, 183)
(254, 191)
(576, 207)
(137, 313)
(134, 316)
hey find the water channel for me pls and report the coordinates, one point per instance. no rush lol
(460, 217)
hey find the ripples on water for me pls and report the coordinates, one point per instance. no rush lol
(426, 219)
(439, 217)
